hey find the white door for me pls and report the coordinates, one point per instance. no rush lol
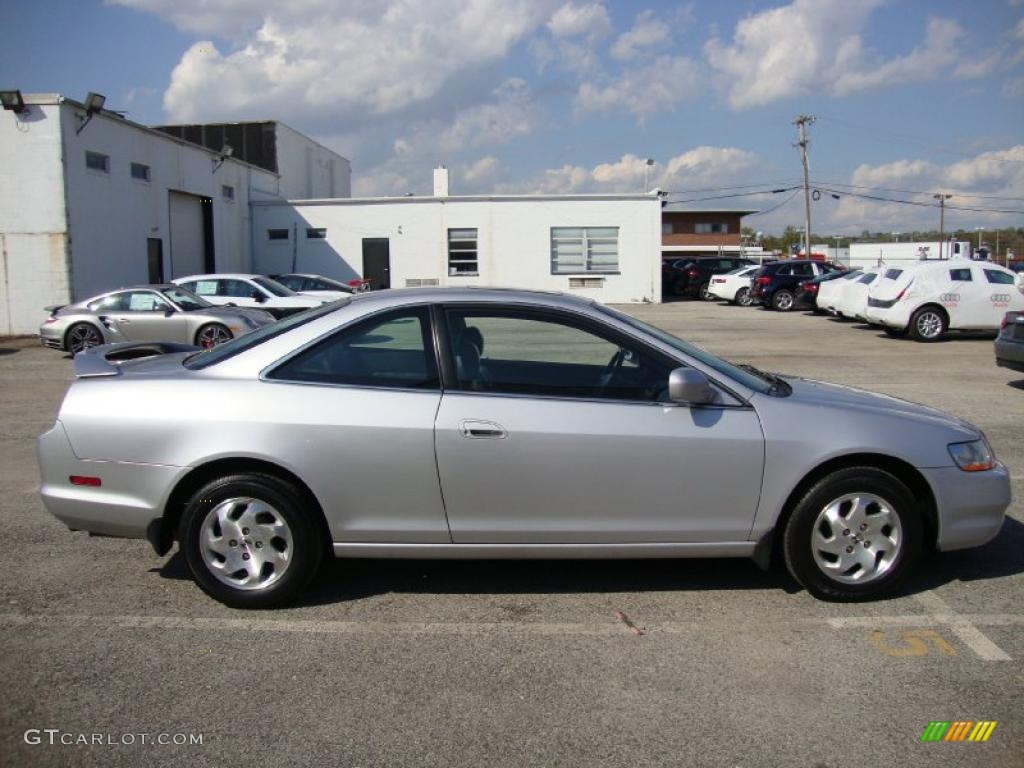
(188, 244)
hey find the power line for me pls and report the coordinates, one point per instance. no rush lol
(919, 203)
(919, 192)
(776, 207)
(737, 194)
(767, 184)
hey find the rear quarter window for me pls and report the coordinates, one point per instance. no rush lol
(961, 275)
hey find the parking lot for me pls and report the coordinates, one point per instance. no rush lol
(390, 663)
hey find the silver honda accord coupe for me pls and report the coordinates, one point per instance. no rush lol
(163, 312)
(483, 423)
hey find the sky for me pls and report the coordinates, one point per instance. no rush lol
(528, 96)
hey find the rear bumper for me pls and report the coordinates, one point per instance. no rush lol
(892, 317)
(1010, 354)
(971, 505)
(51, 337)
(130, 498)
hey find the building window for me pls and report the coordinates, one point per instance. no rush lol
(708, 228)
(666, 227)
(315, 233)
(96, 161)
(140, 172)
(227, 192)
(584, 249)
(277, 234)
(462, 252)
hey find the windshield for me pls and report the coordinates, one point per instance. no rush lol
(208, 357)
(724, 367)
(273, 286)
(327, 283)
(185, 299)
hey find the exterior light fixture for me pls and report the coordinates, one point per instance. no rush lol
(93, 103)
(226, 151)
(13, 101)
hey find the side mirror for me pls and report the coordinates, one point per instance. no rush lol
(169, 311)
(260, 298)
(690, 386)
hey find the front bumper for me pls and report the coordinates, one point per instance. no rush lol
(130, 498)
(971, 505)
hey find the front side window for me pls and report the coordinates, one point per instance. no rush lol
(584, 249)
(235, 289)
(960, 275)
(538, 353)
(185, 299)
(868, 278)
(462, 252)
(393, 350)
(273, 287)
(144, 301)
(892, 274)
(997, 277)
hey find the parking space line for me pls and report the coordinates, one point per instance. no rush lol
(962, 627)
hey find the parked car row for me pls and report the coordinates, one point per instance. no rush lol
(199, 310)
(924, 300)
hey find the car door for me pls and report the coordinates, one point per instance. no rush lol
(241, 293)
(356, 411)
(960, 297)
(146, 316)
(556, 429)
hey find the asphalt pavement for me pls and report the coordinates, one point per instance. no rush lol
(389, 663)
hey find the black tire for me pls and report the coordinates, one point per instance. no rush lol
(305, 548)
(82, 336)
(703, 293)
(798, 534)
(928, 323)
(742, 297)
(783, 300)
(679, 287)
(217, 333)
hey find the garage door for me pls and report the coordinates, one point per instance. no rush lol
(188, 243)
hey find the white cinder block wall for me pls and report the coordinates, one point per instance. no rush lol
(513, 239)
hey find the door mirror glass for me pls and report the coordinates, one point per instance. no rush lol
(259, 297)
(690, 386)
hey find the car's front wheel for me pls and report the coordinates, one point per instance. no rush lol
(212, 334)
(251, 540)
(855, 535)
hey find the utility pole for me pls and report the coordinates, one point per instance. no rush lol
(801, 122)
(942, 198)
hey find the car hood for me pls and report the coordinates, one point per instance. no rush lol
(255, 315)
(838, 396)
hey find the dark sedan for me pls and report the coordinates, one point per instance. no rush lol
(1010, 343)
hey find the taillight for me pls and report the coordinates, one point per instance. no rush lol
(49, 320)
(85, 480)
(763, 280)
(692, 273)
(810, 287)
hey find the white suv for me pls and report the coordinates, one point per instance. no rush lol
(930, 298)
(249, 291)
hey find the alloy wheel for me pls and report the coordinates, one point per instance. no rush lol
(856, 538)
(246, 543)
(929, 324)
(83, 337)
(212, 335)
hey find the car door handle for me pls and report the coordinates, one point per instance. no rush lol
(472, 428)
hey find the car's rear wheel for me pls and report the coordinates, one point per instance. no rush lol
(82, 336)
(855, 535)
(704, 293)
(212, 334)
(928, 324)
(782, 300)
(742, 297)
(251, 540)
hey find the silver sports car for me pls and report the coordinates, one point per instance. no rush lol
(146, 313)
(481, 423)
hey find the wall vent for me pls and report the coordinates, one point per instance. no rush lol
(586, 282)
(420, 282)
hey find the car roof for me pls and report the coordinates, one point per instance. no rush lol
(471, 294)
(219, 275)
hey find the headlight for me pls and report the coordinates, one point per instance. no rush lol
(975, 456)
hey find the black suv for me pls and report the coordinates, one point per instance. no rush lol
(776, 284)
(692, 276)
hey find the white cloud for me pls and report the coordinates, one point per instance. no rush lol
(588, 20)
(646, 35)
(997, 173)
(483, 173)
(816, 45)
(336, 62)
(642, 91)
(695, 168)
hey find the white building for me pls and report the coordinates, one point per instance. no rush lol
(872, 254)
(605, 247)
(90, 201)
